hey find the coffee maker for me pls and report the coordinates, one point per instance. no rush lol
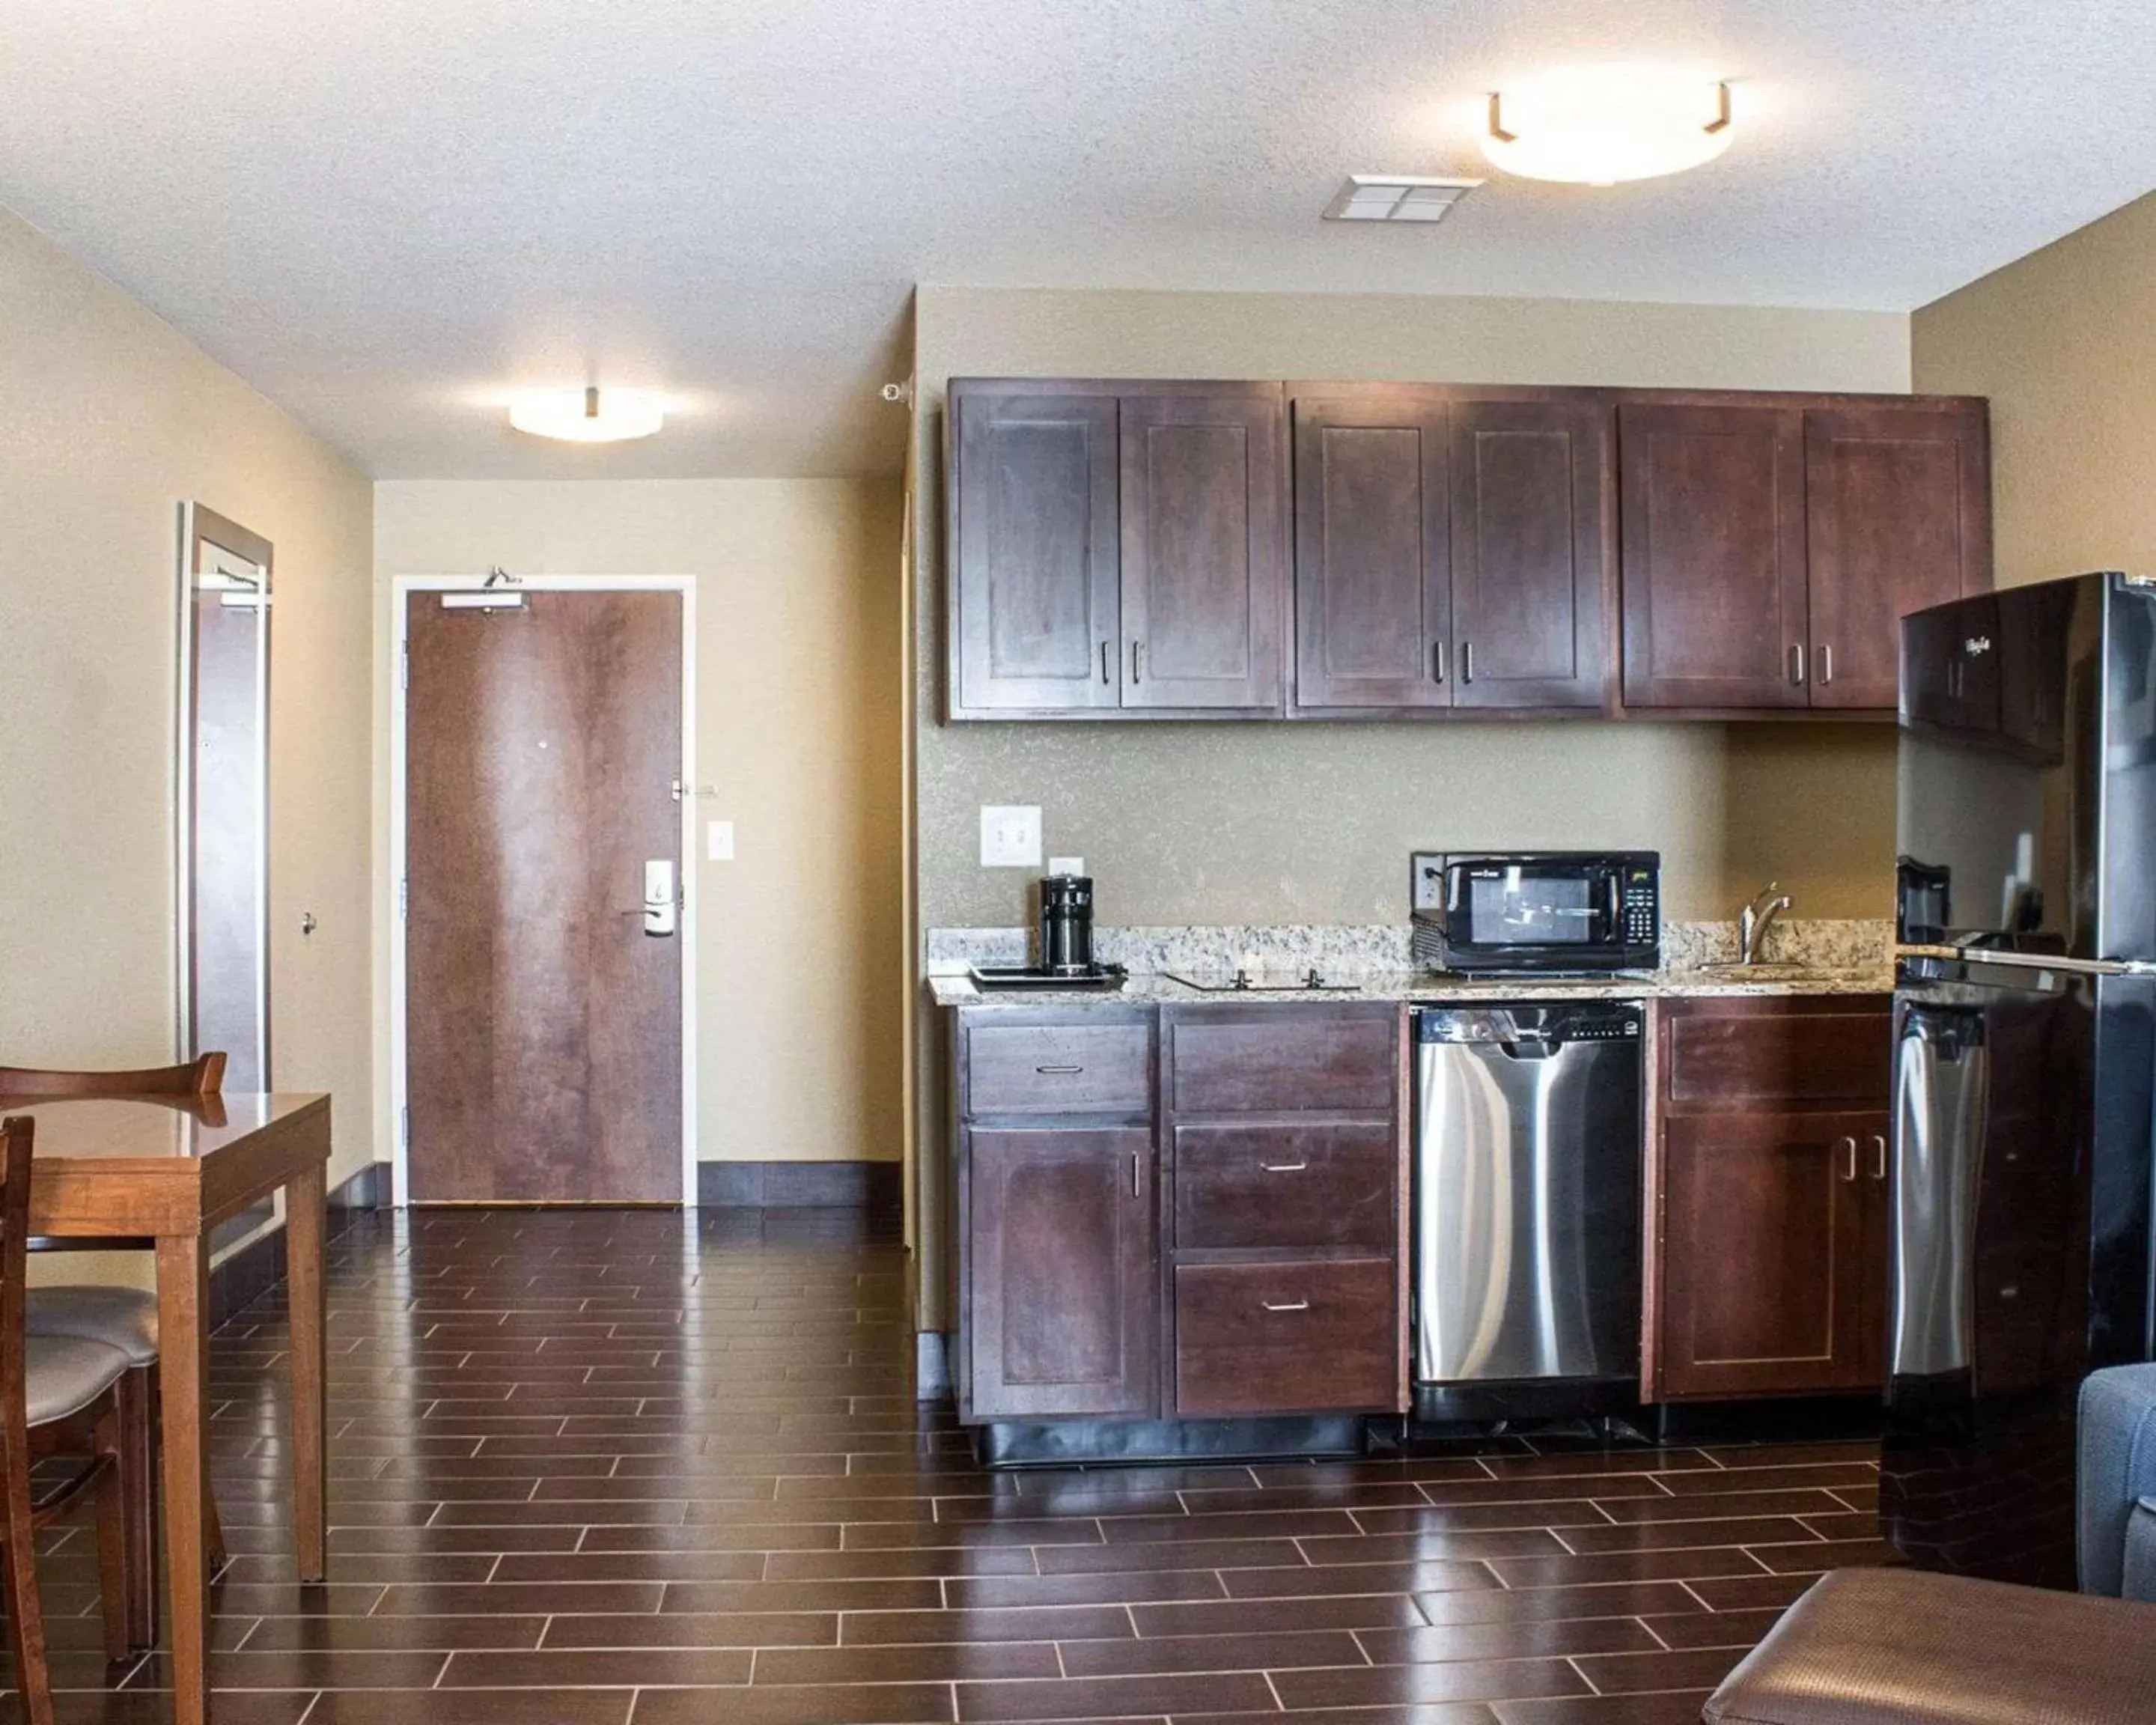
(1067, 925)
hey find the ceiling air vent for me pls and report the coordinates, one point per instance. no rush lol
(1396, 198)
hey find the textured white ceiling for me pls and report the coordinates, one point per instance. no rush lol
(386, 213)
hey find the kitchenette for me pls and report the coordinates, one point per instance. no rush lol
(1528, 1146)
(1236, 1190)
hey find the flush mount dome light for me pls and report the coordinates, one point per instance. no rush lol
(1598, 124)
(589, 416)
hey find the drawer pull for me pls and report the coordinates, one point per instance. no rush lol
(1285, 1304)
(1283, 1167)
(1058, 1071)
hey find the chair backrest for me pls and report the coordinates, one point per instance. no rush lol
(203, 1076)
(16, 1135)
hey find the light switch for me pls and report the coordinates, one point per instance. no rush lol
(1067, 865)
(719, 840)
(1010, 836)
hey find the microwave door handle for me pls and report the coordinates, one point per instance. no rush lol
(1616, 911)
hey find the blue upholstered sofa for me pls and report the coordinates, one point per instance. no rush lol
(2117, 1475)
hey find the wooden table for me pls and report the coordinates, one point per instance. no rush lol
(114, 1169)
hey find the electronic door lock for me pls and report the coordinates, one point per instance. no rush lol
(660, 911)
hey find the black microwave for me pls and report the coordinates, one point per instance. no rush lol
(1543, 912)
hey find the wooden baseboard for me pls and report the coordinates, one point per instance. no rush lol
(875, 1186)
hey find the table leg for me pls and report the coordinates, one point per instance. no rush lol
(305, 1224)
(183, 1367)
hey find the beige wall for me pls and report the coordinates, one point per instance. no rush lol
(1313, 823)
(109, 419)
(2063, 342)
(797, 729)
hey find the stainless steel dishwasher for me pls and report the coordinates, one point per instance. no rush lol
(1526, 1239)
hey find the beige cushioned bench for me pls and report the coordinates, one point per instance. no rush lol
(1905, 1647)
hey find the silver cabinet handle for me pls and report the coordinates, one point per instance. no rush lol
(1825, 663)
(1137, 1170)
(1136, 647)
(1285, 1304)
(1106, 673)
(1848, 1146)
(1797, 664)
(1437, 661)
(1283, 1167)
(1058, 1071)
(1467, 661)
(1879, 1155)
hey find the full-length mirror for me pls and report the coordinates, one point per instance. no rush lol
(224, 795)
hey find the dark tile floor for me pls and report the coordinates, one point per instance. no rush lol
(593, 1468)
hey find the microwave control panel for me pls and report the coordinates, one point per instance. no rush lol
(1642, 899)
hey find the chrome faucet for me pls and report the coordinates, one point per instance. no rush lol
(1756, 918)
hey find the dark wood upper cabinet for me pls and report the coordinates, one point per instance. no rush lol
(1712, 499)
(1372, 552)
(1530, 604)
(1202, 551)
(1116, 548)
(1898, 505)
(1035, 564)
(1063, 1305)
(1121, 549)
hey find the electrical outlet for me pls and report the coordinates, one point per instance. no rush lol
(1010, 836)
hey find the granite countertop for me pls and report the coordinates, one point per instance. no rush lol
(1439, 987)
(1813, 958)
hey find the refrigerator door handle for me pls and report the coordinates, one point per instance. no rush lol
(2030, 961)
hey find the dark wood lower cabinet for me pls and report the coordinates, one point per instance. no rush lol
(1775, 1239)
(1769, 1194)
(1285, 1335)
(1223, 1237)
(1062, 1307)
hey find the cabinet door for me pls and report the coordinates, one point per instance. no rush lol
(1035, 568)
(1373, 554)
(1062, 1297)
(1529, 600)
(1771, 1227)
(1898, 500)
(1201, 550)
(1712, 501)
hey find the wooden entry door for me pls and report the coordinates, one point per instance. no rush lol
(542, 1022)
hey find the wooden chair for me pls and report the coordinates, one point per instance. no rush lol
(125, 1317)
(203, 1076)
(58, 1395)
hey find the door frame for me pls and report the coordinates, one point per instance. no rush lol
(402, 590)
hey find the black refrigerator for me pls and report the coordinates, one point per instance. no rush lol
(2025, 998)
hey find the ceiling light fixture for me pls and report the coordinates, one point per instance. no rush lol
(584, 416)
(1597, 125)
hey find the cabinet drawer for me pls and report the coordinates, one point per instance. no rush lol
(1286, 1186)
(1290, 1336)
(1779, 1054)
(1283, 1060)
(1059, 1069)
